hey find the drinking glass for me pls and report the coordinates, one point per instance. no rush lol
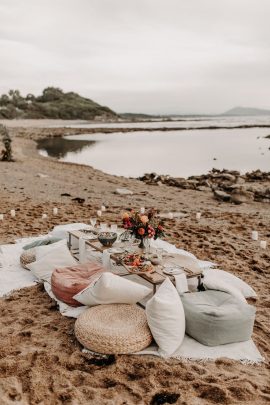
(147, 245)
(114, 228)
(103, 226)
(93, 222)
(159, 253)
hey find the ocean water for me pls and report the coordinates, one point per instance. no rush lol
(178, 153)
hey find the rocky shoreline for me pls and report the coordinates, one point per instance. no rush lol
(226, 185)
(35, 133)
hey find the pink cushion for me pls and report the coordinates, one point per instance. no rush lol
(68, 281)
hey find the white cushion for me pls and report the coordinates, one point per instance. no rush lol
(181, 283)
(219, 285)
(61, 231)
(60, 257)
(166, 318)
(233, 281)
(112, 289)
(44, 250)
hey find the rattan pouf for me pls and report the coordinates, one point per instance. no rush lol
(113, 329)
(27, 257)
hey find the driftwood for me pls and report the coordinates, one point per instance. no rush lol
(6, 153)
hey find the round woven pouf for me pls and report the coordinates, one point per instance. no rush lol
(113, 329)
(27, 257)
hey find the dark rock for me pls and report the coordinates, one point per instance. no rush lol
(221, 195)
(241, 196)
(79, 200)
(164, 398)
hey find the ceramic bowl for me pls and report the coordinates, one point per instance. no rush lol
(107, 238)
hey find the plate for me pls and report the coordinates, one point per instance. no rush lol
(173, 271)
(88, 235)
(116, 250)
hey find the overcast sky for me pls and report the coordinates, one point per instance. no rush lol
(153, 56)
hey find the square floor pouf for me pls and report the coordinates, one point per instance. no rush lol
(214, 318)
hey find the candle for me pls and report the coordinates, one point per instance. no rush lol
(99, 213)
(1, 217)
(254, 235)
(103, 208)
(44, 216)
(106, 260)
(55, 211)
(170, 215)
(12, 213)
(198, 216)
(263, 244)
(142, 210)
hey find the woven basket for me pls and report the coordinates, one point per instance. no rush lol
(113, 329)
(27, 257)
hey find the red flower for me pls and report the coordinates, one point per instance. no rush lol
(151, 231)
(141, 231)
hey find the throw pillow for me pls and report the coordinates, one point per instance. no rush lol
(166, 318)
(221, 275)
(42, 251)
(112, 289)
(60, 257)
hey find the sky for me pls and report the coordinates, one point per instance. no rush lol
(151, 56)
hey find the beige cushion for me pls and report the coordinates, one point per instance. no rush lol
(113, 329)
(27, 257)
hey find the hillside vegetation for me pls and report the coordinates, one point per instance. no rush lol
(54, 104)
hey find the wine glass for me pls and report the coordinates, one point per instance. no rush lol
(114, 228)
(147, 245)
(93, 222)
(103, 226)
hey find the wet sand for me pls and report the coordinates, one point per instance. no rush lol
(40, 360)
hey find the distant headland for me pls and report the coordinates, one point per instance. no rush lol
(52, 104)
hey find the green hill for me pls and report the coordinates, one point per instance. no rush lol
(53, 104)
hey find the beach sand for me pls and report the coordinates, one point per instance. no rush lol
(40, 360)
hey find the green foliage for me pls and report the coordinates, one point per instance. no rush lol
(54, 104)
(6, 153)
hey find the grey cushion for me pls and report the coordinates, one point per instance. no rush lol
(41, 242)
(214, 317)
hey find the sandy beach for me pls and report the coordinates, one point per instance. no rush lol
(40, 360)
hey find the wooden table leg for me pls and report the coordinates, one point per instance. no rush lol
(200, 284)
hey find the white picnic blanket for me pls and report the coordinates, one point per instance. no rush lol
(14, 277)
(190, 349)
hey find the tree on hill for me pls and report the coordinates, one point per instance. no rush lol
(52, 103)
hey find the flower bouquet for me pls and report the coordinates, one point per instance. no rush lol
(143, 226)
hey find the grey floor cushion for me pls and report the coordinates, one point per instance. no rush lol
(41, 242)
(214, 318)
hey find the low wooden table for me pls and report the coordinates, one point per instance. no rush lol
(155, 278)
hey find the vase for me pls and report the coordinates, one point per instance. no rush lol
(142, 245)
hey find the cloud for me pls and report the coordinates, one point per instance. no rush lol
(151, 56)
